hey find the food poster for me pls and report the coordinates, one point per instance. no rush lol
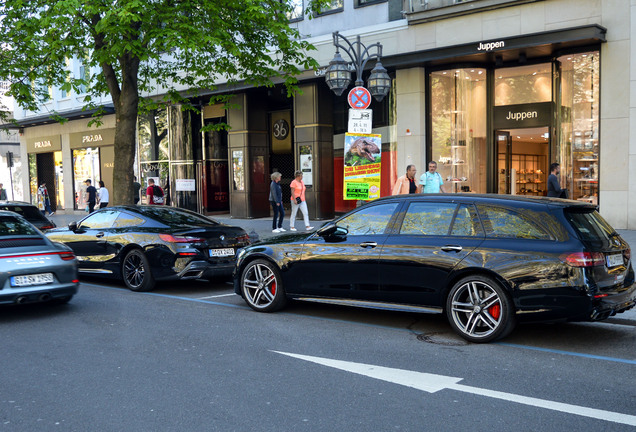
(362, 163)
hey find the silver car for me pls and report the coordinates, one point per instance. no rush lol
(33, 268)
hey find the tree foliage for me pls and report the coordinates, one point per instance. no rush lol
(140, 48)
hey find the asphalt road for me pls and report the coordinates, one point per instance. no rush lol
(193, 357)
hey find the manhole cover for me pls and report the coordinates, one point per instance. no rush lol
(442, 339)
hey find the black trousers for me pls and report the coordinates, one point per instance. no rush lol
(91, 206)
(279, 212)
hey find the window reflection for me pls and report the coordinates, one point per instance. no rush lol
(370, 220)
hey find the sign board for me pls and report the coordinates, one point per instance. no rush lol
(185, 185)
(360, 121)
(362, 166)
(359, 98)
(522, 115)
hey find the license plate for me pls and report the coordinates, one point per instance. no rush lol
(225, 252)
(35, 279)
(614, 260)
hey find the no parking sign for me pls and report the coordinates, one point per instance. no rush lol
(359, 98)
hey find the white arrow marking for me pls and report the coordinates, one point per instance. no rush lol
(432, 383)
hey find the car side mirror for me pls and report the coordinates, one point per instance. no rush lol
(327, 230)
(72, 226)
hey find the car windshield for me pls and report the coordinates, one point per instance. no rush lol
(14, 226)
(591, 227)
(173, 216)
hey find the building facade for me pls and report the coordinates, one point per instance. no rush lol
(494, 91)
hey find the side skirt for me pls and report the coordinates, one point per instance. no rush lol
(372, 305)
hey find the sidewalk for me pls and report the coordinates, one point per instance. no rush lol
(261, 228)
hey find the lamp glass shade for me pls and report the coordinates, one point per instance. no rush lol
(338, 76)
(379, 82)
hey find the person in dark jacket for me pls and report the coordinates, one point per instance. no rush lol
(276, 200)
(554, 189)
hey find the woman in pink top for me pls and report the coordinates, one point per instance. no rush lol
(298, 201)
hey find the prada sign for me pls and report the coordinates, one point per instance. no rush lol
(94, 138)
(44, 144)
(522, 115)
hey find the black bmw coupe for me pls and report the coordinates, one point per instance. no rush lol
(486, 261)
(144, 244)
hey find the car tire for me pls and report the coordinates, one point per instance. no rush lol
(479, 309)
(261, 286)
(136, 271)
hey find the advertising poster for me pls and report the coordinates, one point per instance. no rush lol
(362, 163)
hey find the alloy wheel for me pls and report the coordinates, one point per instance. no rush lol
(476, 310)
(261, 286)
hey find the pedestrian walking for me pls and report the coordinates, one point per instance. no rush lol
(154, 193)
(3, 193)
(136, 190)
(431, 180)
(407, 184)
(102, 195)
(44, 201)
(554, 188)
(91, 196)
(276, 200)
(298, 201)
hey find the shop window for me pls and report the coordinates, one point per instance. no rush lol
(433, 219)
(458, 128)
(578, 146)
(86, 166)
(152, 131)
(238, 170)
(523, 84)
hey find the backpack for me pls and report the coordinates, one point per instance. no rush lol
(157, 195)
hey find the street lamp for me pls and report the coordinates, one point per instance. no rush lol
(338, 75)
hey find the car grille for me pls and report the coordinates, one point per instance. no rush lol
(13, 243)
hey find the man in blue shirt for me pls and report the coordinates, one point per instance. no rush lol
(431, 179)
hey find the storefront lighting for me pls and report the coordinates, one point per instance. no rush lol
(338, 75)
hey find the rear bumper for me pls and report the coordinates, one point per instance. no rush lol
(37, 294)
(606, 307)
(201, 270)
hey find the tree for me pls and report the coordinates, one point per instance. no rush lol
(176, 48)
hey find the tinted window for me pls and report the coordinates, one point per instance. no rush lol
(372, 219)
(590, 226)
(100, 220)
(11, 226)
(173, 216)
(426, 218)
(127, 220)
(466, 223)
(507, 223)
(29, 212)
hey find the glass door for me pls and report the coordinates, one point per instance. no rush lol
(522, 161)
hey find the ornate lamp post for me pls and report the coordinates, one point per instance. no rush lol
(338, 75)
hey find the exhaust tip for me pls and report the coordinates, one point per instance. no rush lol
(21, 300)
(44, 297)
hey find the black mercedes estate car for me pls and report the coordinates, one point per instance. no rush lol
(486, 261)
(144, 244)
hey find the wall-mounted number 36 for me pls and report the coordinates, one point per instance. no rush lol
(281, 129)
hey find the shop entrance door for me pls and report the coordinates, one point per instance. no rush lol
(522, 161)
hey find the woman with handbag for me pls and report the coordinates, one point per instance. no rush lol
(298, 201)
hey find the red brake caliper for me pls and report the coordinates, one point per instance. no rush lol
(273, 288)
(494, 311)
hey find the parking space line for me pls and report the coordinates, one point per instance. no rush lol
(217, 296)
(570, 353)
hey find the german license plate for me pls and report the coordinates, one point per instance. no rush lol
(34, 279)
(223, 252)
(614, 260)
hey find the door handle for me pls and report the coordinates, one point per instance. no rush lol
(451, 248)
(368, 244)
(99, 235)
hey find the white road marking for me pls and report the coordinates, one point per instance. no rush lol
(432, 383)
(216, 296)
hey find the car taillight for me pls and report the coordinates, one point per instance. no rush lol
(243, 239)
(47, 227)
(180, 239)
(66, 256)
(583, 259)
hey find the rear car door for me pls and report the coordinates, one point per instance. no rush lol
(347, 267)
(429, 243)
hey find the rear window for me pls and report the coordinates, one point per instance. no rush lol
(590, 226)
(14, 226)
(173, 217)
(29, 212)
